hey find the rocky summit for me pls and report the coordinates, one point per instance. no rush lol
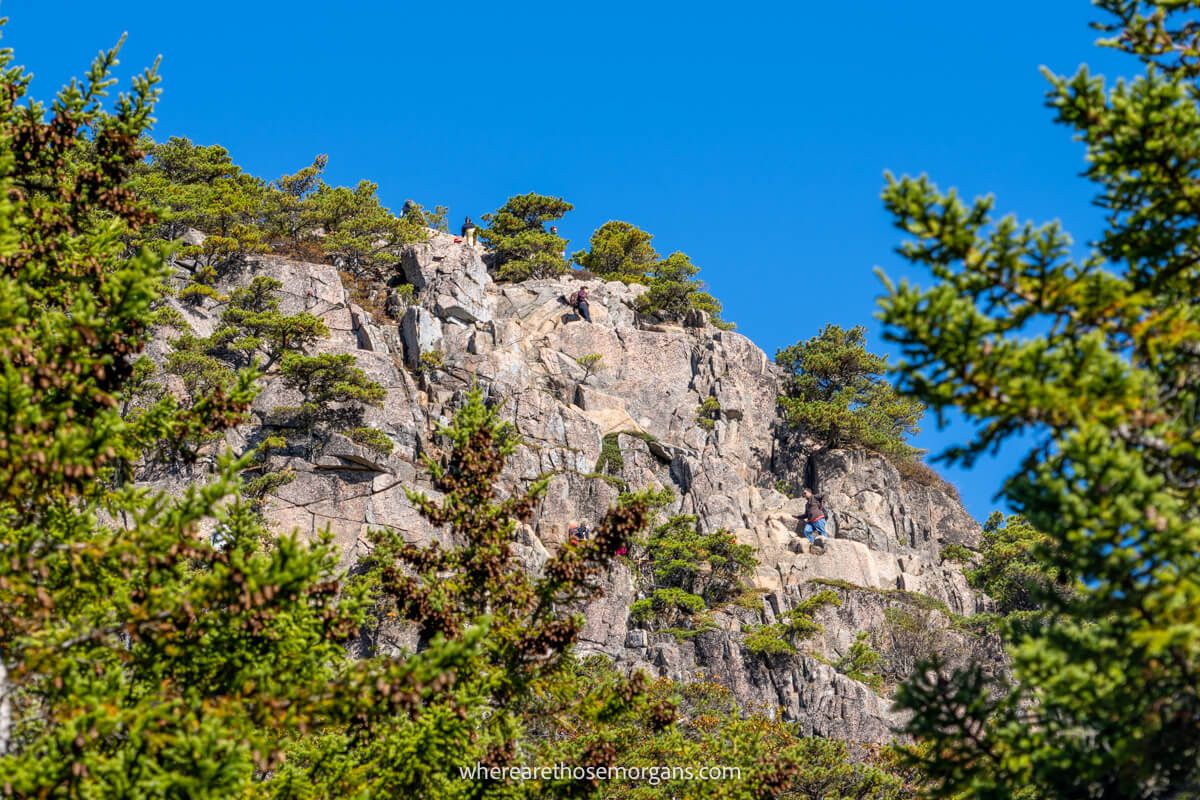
(612, 405)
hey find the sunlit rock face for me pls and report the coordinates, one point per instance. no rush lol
(523, 344)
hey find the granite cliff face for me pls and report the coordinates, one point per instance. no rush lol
(522, 343)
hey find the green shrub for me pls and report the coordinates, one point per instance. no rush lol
(194, 294)
(619, 251)
(406, 292)
(591, 363)
(432, 360)
(674, 290)
(861, 662)
(787, 489)
(669, 606)
(799, 619)
(708, 412)
(712, 565)
(957, 552)
(768, 640)
(371, 437)
(796, 625)
(166, 316)
(750, 599)
(1012, 565)
(610, 461)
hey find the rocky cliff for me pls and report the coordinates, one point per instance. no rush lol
(523, 345)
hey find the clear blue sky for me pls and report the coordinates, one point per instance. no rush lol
(752, 136)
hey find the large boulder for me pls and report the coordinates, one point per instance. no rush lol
(451, 277)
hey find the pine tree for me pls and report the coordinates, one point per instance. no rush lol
(1092, 363)
(358, 232)
(521, 246)
(286, 204)
(252, 325)
(471, 595)
(138, 661)
(200, 187)
(675, 290)
(836, 391)
(157, 645)
(619, 251)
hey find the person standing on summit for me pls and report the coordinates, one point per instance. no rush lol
(468, 231)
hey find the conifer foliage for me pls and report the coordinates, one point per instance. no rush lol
(1094, 362)
(137, 661)
(521, 246)
(237, 215)
(621, 251)
(836, 390)
(164, 646)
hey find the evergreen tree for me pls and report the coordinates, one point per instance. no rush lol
(359, 233)
(137, 661)
(1010, 569)
(521, 246)
(286, 219)
(619, 251)
(253, 325)
(1092, 361)
(473, 593)
(675, 290)
(200, 187)
(669, 728)
(836, 391)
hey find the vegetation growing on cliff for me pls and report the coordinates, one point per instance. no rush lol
(160, 645)
(240, 215)
(706, 728)
(796, 625)
(684, 573)
(139, 660)
(521, 246)
(837, 391)
(1091, 360)
(621, 251)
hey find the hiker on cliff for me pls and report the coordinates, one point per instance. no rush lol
(579, 301)
(814, 517)
(468, 232)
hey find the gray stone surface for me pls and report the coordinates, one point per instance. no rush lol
(522, 343)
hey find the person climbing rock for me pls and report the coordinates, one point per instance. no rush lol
(814, 517)
(579, 301)
(573, 532)
(468, 231)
